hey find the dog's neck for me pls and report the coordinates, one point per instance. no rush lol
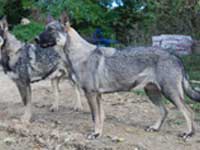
(12, 44)
(79, 48)
(12, 47)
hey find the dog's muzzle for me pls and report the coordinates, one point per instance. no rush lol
(44, 43)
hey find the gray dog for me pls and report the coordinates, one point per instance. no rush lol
(105, 70)
(29, 63)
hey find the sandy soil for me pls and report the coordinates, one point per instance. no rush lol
(127, 115)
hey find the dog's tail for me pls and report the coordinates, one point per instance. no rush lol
(190, 92)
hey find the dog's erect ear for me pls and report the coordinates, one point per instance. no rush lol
(64, 19)
(49, 19)
(4, 24)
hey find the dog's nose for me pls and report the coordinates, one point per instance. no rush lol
(37, 40)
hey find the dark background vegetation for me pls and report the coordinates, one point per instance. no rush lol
(131, 22)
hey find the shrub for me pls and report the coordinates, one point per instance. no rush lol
(14, 11)
(27, 32)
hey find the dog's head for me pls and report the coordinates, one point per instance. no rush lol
(3, 31)
(54, 33)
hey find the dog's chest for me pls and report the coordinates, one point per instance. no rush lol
(34, 63)
(42, 61)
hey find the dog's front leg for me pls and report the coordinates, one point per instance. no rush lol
(55, 86)
(97, 113)
(25, 93)
(78, 104)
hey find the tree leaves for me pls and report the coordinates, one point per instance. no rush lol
(130, 22)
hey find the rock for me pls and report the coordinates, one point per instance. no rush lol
(40, 141)
(25, 21)
(119, 139)
(58, 147)
(68, 137)
(146, 110)
(3, 126)
(177, 44)
(39, 105)
(196, 47)
(116, 139)
(55, 134)
(18, 128)
(9, 140)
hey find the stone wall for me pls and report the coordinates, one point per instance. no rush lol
(177, 44)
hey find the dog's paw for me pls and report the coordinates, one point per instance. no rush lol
(93, 136)
(151, 129)
(54, 108)
(26, 118)
(185, 136)
(77, 109)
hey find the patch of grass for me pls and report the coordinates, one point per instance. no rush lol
(178, 122)
(192, 66)
(27, 33)
(194, 105)
(139, 92)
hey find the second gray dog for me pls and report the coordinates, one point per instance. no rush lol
(28, 63)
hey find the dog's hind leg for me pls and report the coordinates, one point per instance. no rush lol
(94, 101)
(175, 93)
(25, 93)
(56, 92)
(155, 96)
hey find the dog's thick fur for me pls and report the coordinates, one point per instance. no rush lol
(29, 63)
(104, 70)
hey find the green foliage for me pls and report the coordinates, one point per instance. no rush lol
(128, 20)
(192, 66)
(14, 11)
(27, 32)
(194, 105)
(132, 22)
(139, 92)
(174, 17)
(27, 4)
(136, 21)
(85, 15)
(2, 4)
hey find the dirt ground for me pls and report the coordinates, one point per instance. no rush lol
(127, 114)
